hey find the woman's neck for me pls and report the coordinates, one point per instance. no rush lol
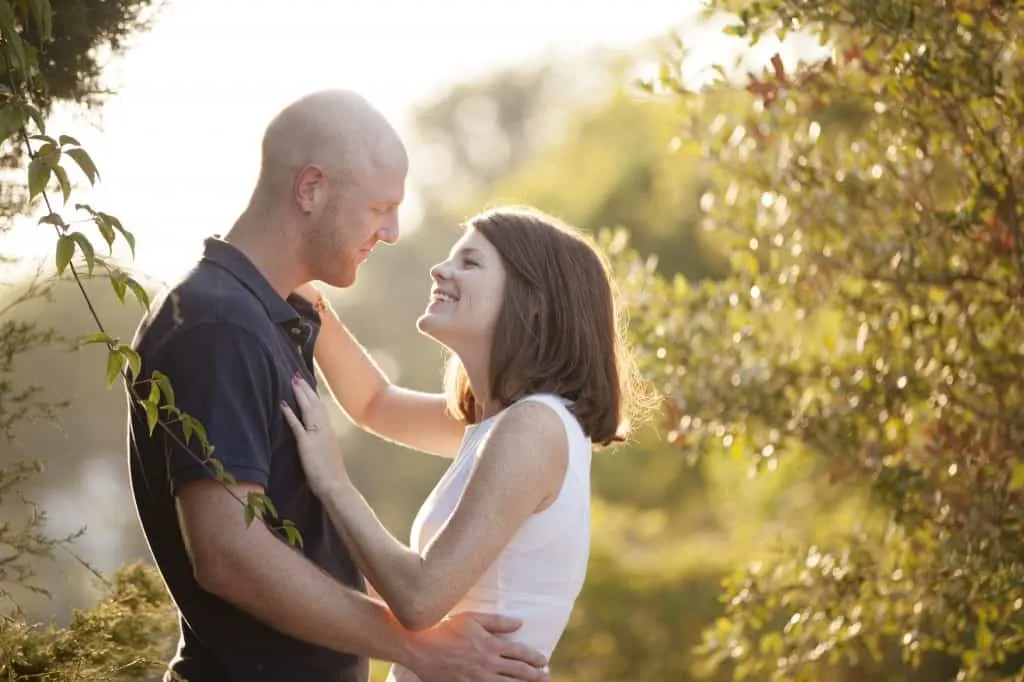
(477, 372)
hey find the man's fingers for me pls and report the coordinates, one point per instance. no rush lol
(515, 651)
(495, 623)
(518, 670)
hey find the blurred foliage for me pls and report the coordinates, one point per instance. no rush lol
(871, 324)
(834, 309)
(54, 49)
(84, 35)
(128, 635)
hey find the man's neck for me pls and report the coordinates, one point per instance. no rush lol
(272, 249)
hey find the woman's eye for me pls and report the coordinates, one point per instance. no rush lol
(470, 263)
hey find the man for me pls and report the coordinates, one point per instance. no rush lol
(230, 338)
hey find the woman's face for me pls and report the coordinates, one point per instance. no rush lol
(467, 295)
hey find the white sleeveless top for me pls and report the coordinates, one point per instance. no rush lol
(539, 574)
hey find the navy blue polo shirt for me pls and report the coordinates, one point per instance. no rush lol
(230, 345)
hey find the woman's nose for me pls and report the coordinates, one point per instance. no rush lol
(440, 271)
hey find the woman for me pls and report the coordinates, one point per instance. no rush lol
(537, 375)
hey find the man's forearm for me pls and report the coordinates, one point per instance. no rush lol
(283, 589)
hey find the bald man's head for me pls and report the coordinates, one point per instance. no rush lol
(337, 130)
(332, 179)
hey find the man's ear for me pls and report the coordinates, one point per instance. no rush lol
(310, 184)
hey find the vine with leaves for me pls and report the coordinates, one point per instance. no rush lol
(48, 166)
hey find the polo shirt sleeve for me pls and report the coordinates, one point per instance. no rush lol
(222, 375)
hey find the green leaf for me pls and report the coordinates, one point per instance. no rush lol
(49, 151)
(200, 430)
(87, 250)
(186, 428)
(983, 637)
(133, 359)
(292, 533)
(152, 416)
(6, 17)
(116, 224)
(114, 361)
(154, 394)
(65, 252)
(52, 219)
(12, 118)
(106, 231)
(67, 139)
(217, 466)
(250, 514)
(84, 162)
(38, 175)
(226, 477)
(42, 12)
(97, 337)
(14, 41)
(117, 282)
(1017, 478)
(37, 117)
(65, 184)
(140, 293)
(269, 505)
(164, 382)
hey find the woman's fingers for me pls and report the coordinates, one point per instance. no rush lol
(293, 420)
(308, 400)
(301, 396)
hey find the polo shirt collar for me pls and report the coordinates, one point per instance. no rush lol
(229, 257)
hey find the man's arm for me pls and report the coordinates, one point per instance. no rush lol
(252, 569)
(221, 377)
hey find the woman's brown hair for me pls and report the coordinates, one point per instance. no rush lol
(558, 330)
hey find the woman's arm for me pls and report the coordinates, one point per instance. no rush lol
(518, 473)
(411, 418)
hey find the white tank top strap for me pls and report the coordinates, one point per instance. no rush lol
(579, 444)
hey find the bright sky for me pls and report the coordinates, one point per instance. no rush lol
(178, 145)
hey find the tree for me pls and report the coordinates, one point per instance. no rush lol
(128, 634)
(871, 324)
(62, 67)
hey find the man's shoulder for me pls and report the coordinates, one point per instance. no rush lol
(208, 300)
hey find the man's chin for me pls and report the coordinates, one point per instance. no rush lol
(343, 279)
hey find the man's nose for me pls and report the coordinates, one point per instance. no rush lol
(389, 233)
